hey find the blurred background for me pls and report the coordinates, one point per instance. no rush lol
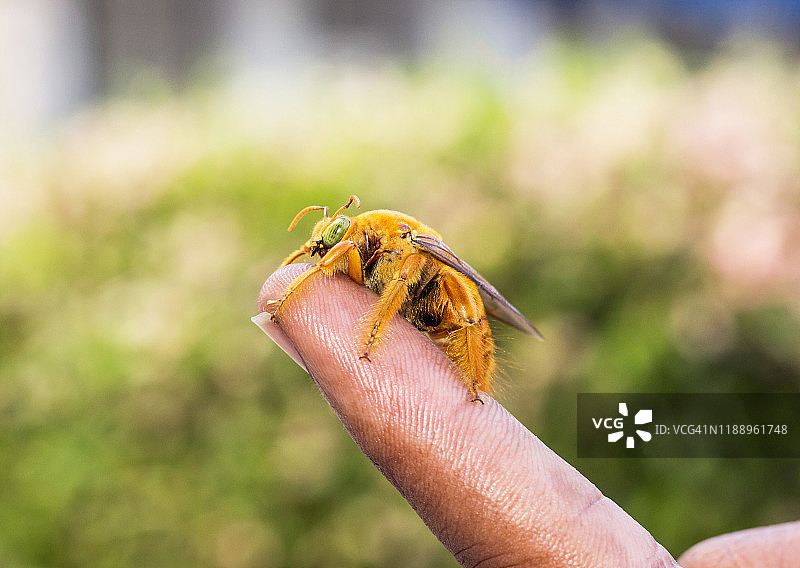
(626, 173)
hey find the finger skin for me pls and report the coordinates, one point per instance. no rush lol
(491, 492)
(776, 546)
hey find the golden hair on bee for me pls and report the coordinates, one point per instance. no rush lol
(416, 275)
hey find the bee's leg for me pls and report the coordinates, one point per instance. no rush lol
(470, 344)
(392, 299)
(295, 255)
(344, 257)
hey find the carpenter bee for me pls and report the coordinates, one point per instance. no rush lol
(416, 275)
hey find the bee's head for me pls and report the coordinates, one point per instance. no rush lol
(328, 232)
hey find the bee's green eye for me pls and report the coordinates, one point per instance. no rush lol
(335, 231)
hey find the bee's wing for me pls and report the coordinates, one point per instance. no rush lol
(496, 305)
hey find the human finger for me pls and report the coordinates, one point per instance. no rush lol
(489, 489)
(775, 546)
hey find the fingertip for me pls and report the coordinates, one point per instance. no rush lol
(264, 321)
(276, 283)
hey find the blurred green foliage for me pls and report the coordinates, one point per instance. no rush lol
(645, 215)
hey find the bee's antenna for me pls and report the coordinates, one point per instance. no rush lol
(324, 209)
(306, 210)
(352, 199)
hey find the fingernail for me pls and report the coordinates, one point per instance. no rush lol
(275, 333)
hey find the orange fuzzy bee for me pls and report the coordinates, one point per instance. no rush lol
(416, 275)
